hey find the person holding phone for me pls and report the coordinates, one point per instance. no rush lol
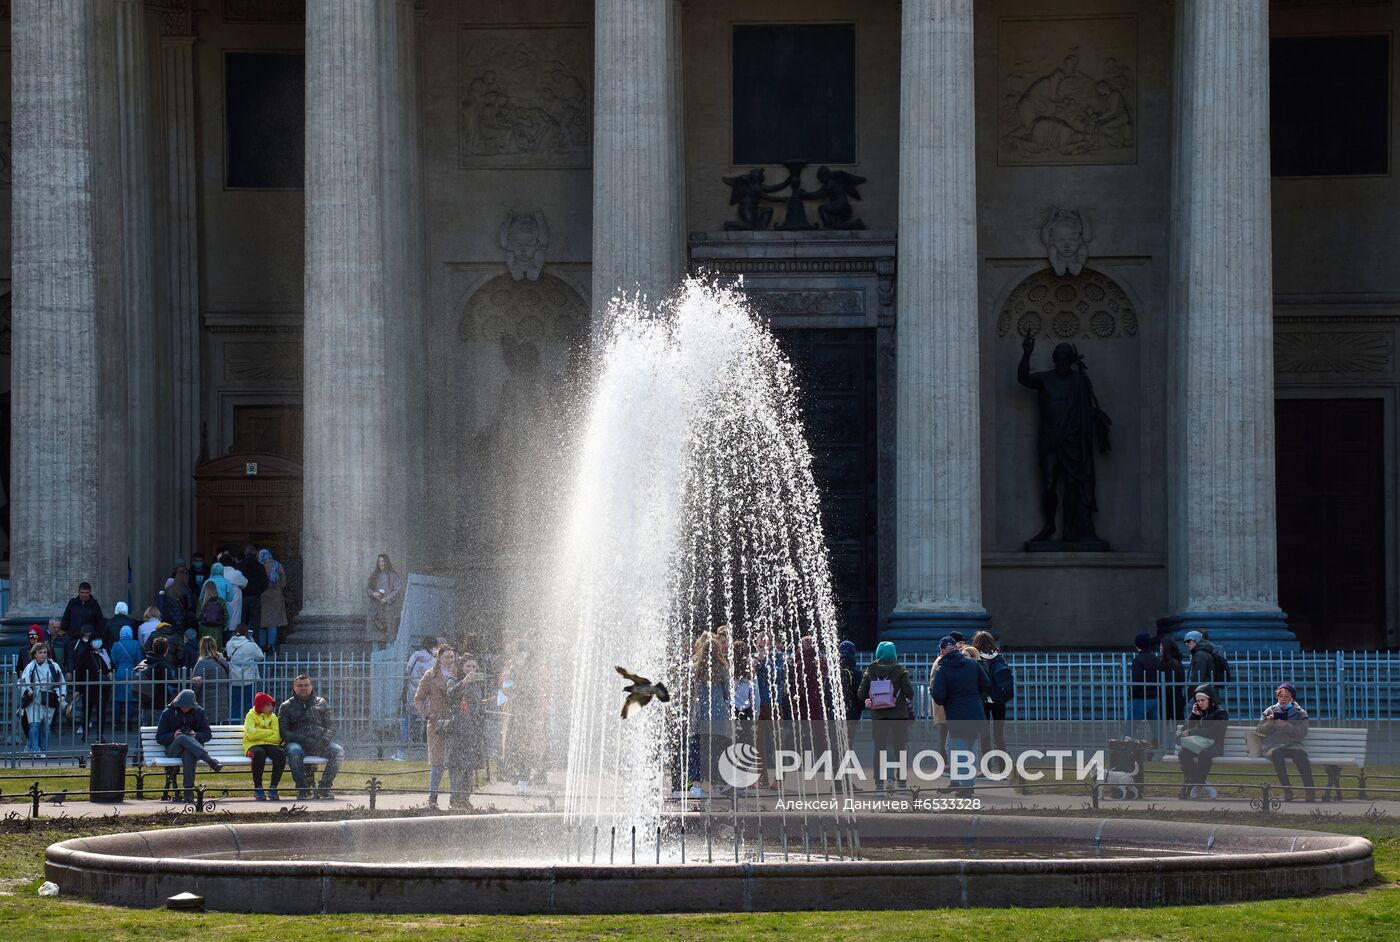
(1200, 741)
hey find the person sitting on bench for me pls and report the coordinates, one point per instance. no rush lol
(1281, 731)
(308, 729)
(262, 740)
(183, 730)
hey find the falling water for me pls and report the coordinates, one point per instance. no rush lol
(692, 506)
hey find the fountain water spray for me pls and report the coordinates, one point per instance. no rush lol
(693, 510)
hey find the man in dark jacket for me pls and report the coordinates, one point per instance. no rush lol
(183, 730)
(960, 687)
(82, 610)
(1142, 694)
(1201, 668)
(256, 575)
(307, 728)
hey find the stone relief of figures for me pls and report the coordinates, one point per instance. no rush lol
(525, 98)
(1068, 91)
(749, 192)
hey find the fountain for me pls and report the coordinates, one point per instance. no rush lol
(691, 533)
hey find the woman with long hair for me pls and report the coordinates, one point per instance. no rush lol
(385, 590)
(209, 677)
(710, 709)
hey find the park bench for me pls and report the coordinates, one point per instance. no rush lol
(226, 745)
(1331, 747)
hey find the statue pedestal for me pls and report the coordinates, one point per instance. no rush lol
(1067, 546)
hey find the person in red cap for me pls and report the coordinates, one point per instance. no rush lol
(262, 740)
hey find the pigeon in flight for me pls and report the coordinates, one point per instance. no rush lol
(640, 691)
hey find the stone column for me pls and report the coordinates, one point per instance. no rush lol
(180, 268)
(1223, 566)
(938, 557)
(638, 192)
(352, 511)
(148, 487)
(55, 458)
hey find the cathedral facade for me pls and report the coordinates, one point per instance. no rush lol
(321, 276)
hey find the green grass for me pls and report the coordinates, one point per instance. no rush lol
(1370, 913)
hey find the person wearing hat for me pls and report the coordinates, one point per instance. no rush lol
(1281, 732)
(262, 740)
(121, 618)
(92, 668)
(960, 686)
(1200, 669)
(1200, 740)
(886, 690)
(1143, 704)
(183, 730)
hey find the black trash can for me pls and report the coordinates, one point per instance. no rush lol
(107, 778)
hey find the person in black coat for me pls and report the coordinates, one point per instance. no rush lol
(183, 730)
(92, 666)
(960, 687)
(82, 610)
(1206, 721)
(256, 575)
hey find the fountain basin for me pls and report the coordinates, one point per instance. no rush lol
(479, 864)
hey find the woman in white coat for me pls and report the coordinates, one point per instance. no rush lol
(42, 691)
(244, 656)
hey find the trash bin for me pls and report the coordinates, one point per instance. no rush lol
(107, 776)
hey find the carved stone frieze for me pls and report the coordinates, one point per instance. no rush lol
(1340, 352)
(176, 18)
(263, 362)
(814, 302)
(1086, 306)
(264, 11)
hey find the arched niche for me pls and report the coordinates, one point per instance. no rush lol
(1095, 313)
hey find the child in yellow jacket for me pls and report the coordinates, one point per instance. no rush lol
(262, 740)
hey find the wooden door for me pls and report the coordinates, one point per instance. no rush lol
(1331, 521)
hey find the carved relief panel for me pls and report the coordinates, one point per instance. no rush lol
(1067, 90)
(525, 98)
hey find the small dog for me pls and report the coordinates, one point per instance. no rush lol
(1123, 783)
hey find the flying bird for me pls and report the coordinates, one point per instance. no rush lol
(640, 691)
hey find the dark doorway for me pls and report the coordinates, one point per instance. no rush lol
(835, 372)
(1331, 521)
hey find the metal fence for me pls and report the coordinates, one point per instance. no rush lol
(1078, 686)
(1339, 687)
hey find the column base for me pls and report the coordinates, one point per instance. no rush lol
(316, 633)
(1235, 631)
(916, 632)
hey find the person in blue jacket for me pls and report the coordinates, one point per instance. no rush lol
(960, 687)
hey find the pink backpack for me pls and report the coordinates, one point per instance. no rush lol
(882, 695)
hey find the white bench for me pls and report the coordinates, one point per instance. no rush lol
(1332, 747)
(225, 745)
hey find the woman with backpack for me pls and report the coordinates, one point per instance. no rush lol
(42, 692)
(213, 612)
(887, 692)
(1002, 688)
